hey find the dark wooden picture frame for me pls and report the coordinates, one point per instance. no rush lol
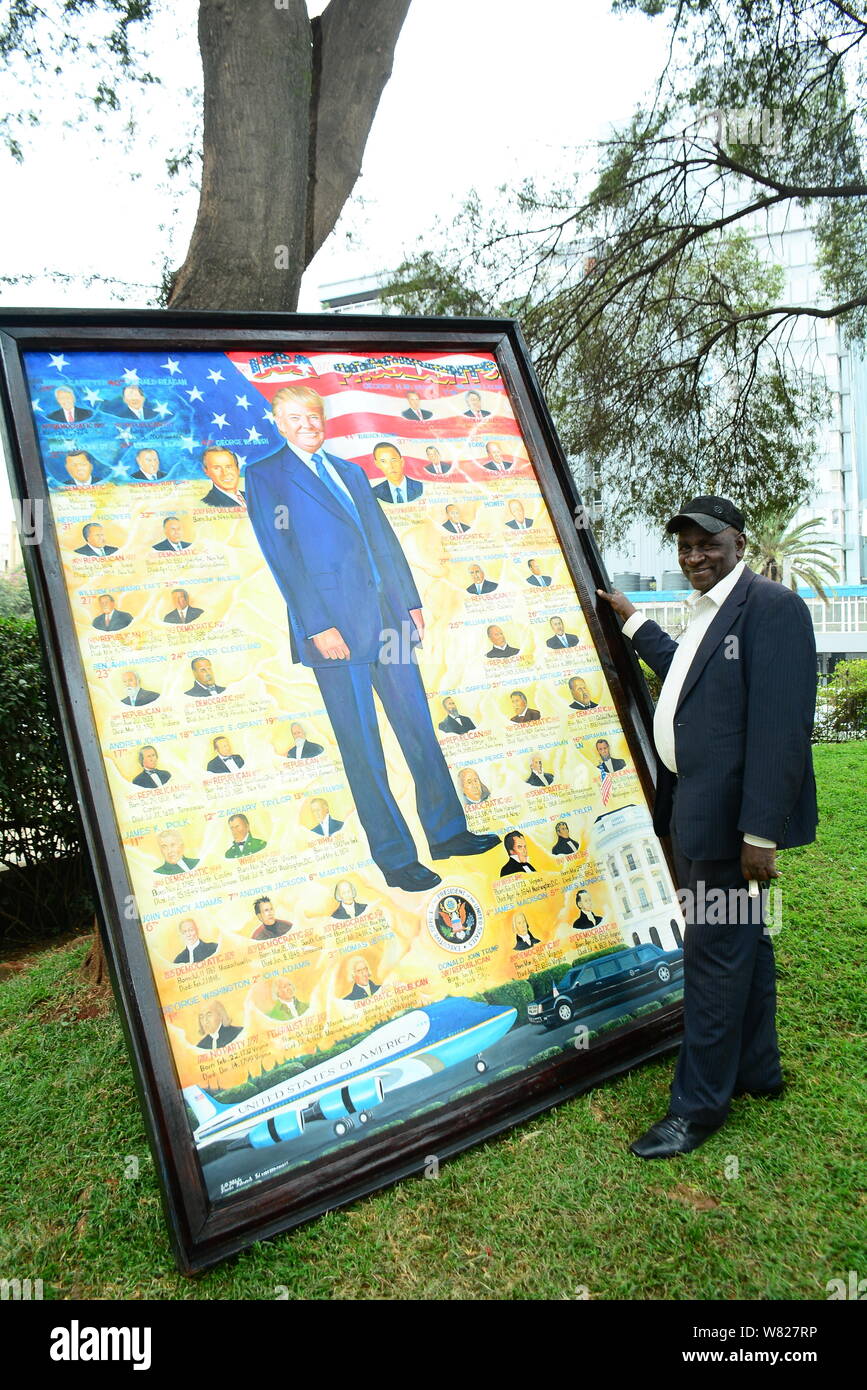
(203, 1232)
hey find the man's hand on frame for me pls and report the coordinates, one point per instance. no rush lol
(619, 602)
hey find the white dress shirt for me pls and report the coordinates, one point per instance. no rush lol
(704, 608)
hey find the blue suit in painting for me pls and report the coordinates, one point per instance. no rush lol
(336, 568)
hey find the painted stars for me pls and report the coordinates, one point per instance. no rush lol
(171, 366)
(58, 361)
(92, 397)
(195, 394)
(220, 421)
(216, 376)
(253, 435)
(130, 376)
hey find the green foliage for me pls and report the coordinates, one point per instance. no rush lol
(15, 599)
(514, 994)
(792, 554)
(843, 702)
(654, 684)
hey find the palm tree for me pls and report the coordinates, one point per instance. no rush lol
(794, 556)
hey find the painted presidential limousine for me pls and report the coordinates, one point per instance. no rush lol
(594, 984)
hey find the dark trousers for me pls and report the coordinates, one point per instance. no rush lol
(729, 992)
(347, 692)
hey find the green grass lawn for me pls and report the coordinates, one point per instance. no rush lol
(771, 1207)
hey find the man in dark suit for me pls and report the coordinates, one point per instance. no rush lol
(132, 405)
(565, 844)
(363, 987)
(480, 584)
(561, 637)
(524, 938)
(587, 918)
(150, 775)
(735, 784)
(536, 577)
(496, 462)
(346, 898)
(454, 723)
(173, 536)
(520, 521)
(324, 824)
(397, 487)
(135, 694)
(195, 949)
(538, 776)
(516, 847)
(435, 463)
(225, 761)
(522, 714)
(148, 470)
(205, 685)
(110, 618)
(224, 471)
(215, 1027)
(93, 536)
(606, 763)
(270, 925)
(80, 465)
(69, 412)
(453, 521)
(347, 588)
(500, 648)
(182, 611)
(475, 412)
(302, 747)
(414, 410)
(581, 697)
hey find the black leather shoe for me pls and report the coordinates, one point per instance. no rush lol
(465, 843)
(772, 1093)
(672, 1135)
(412, 878)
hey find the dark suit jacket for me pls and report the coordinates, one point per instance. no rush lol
(89, 550)
(496, 655)
(742, 725)
(535, 781)
(575, 704)
(526, 945)
(200, 692)
(320, 561)
(585, 921)
(167, 545)
(564, 846)
(123, 412)
(341, 915)
(357, 993)
(226, 1035)
(496, 468)
(456, 724)
(144, 697)
(513, 525)
(470, 415)
(456, 530)
(528, 717)
(144, 778)
(617, 764)
(513, 867)
(539, 581)
(217, 764)
(414, 415)
(79, 413)
(309, 750)
(487, 588)
(201, 951)
(140, 477)
(440, 471)
(571, 641)
(333, 827)
(117, 620)
(192, 613)
(412, 487)
(216, 498)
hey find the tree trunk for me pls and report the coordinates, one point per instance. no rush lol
(94, 967)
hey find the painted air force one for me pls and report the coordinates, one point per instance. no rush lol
(344, 1089)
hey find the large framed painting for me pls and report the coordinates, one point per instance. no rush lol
(364, 774)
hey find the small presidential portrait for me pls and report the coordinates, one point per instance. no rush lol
(519, 519)
(414, 408)
(323, 822)
(474, 407)
(268, 924)
(521, 712)
(147, 467)
(397, 487)
(518, 861)
(93, 536)
(204, 685)
(495, 460)
(536, 578)
(224, 760)
(500, 648)
(173, 537)
(244, 843)
(435, 465)
(285, 1004)
(135, 692)
(215, 1028)
(132, 405)
(565, 843)
(195, 949)
(586, 918)
(67, 411)
(480, 585)
(581, 697)
(183, 611)
(224, 471)
(607, 763)
(538, 776)
(454, 722)
(151, 774)
(561, 637)
(347, 902)
(81, 468)
(363, 987)
(171, 845)
(110, 618)
(472, 788)
(302, 746)
(453, 523)
(524, 938)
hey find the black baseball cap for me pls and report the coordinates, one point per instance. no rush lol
(710, 513)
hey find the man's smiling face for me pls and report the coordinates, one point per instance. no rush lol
(706, 558)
